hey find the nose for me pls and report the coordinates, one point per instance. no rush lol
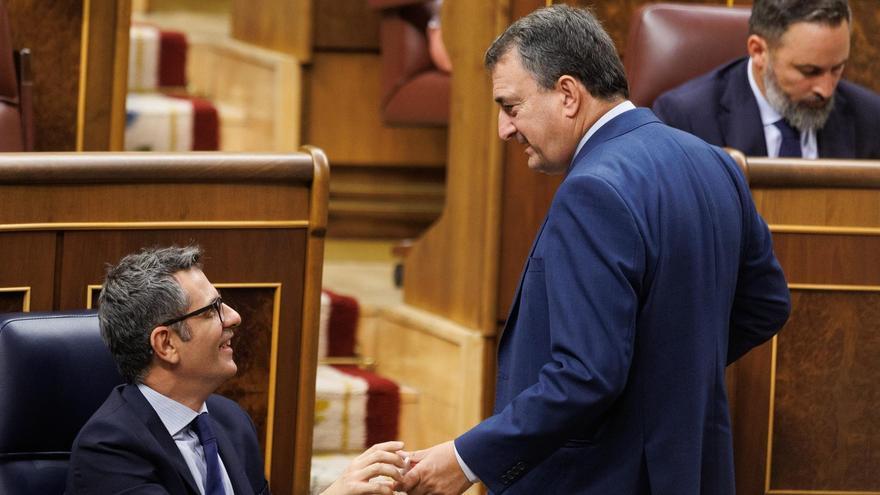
(231, 318)
(506, 129)
(825, 85)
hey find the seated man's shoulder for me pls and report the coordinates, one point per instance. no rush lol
(859, 97)
(112, 418)
(699, 93)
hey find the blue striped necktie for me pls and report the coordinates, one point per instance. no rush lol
(214, 481)
(791, 140)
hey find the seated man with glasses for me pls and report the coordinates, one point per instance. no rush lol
(165, 431)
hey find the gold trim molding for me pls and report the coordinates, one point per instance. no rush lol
(781, 491)
(244, 224)
(823, 230)
(25, 298)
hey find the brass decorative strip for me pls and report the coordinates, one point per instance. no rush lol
(25, 297)
(90, 289)
(823, 230)
(772, 410)
(819, 492)
(273, 361)
(235, 224)
(836, 288)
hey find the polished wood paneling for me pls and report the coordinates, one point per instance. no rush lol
(282, 25)
(829, 259)
(452, 270)
(825, 426)
(52, 30)
(150, 202)
(252, 345)
(103, 76)
(30, 263)
(343, 116)
(79, 82)
(333, 22)
(384, 202)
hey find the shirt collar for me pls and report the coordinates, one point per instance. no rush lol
(174, 415)
(621, 107)
(769, 115)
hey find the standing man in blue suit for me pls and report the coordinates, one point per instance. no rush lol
(166, 432)
(651, 273)
(786, 98)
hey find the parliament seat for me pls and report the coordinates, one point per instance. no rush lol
(55, 371)
(414, 90)
(670, 44)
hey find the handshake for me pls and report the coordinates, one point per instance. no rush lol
(387, 469)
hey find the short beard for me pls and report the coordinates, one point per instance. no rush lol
(801, 116)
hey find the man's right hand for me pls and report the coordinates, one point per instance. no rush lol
(359, 477)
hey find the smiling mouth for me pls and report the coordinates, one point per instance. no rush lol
(227, 344)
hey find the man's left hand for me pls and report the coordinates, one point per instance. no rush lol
(435, 471)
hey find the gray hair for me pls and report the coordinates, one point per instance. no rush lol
(561, 40)
(770, 19)
(138, 294)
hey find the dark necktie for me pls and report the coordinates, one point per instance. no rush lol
(214, 481)
(791, 140)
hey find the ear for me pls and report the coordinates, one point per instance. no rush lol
(758, 51)
(164, 342)
(572, 93)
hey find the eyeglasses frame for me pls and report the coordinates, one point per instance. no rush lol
(216, 305)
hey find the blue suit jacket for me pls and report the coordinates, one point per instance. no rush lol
(651, 273)
(125, 448)
(721, 108)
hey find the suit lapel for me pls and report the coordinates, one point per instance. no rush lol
(511, 314)
(837, 138)
(617, 126)
(148, 416)
(740, 118)
(234, 466)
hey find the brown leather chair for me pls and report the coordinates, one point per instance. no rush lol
(414, 90)
(16, 110)
(670, 44)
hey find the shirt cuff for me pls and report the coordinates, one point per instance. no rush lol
(464, 467)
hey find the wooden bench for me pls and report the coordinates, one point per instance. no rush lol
(261, 219)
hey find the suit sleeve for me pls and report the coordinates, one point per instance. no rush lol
(593, 260)
(762, 301)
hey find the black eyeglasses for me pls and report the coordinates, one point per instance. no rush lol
(216, 305)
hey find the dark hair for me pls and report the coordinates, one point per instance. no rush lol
(138, 294)
(561, 40)
(770, 19)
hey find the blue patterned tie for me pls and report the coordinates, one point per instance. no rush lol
(791, 140)
(214, 481)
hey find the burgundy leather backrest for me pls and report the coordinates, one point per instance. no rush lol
(670, 44)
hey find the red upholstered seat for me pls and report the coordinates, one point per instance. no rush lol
(414, 90)
(670, 44)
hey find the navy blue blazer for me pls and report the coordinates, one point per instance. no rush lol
(721, 108)
(652, 271)
(125, 448)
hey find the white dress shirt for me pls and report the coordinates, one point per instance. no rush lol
(177, 418)
(620, 108)
(769, 115)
